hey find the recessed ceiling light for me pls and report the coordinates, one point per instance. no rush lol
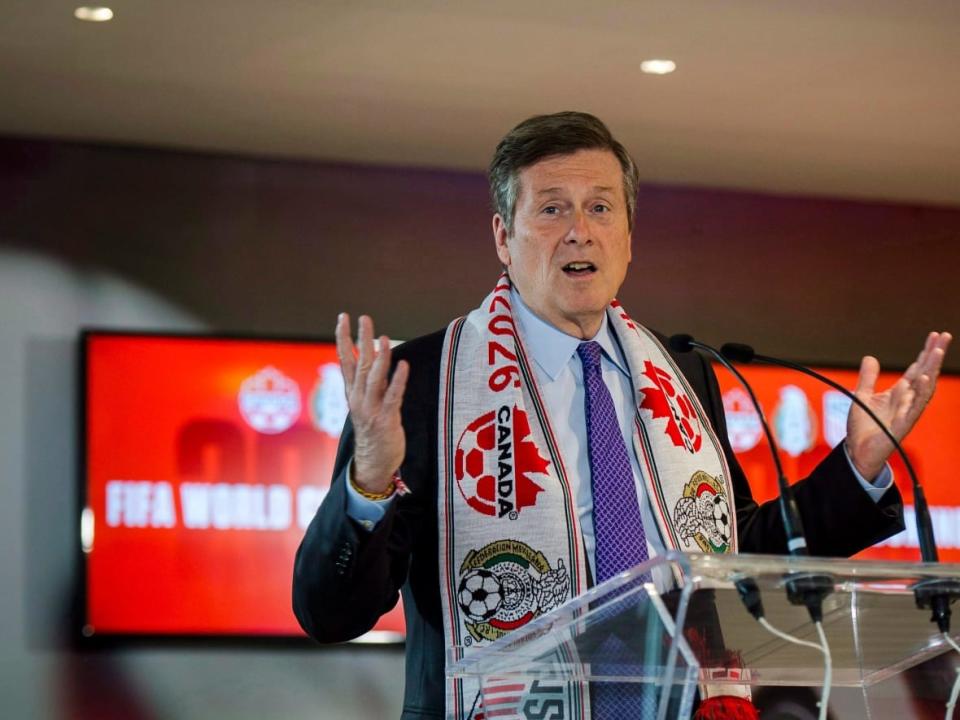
(93, 14)
(658, 67)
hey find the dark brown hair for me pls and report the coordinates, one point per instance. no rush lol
(544, 136)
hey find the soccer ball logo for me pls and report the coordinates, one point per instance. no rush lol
(495, 460)
(475, 464)
(480, 594)
(720, 514)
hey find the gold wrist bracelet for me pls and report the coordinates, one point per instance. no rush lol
(397, 485)
(391, 488)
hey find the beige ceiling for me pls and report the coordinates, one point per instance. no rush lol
(857, 98)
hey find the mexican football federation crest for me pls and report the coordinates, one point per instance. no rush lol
(703, 514)
(505, 585)
(328, 401)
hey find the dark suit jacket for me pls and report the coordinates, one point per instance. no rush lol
(346, 577)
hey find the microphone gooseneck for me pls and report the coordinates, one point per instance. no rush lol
(796, 542)
(935, 594)
(738, 352)
(803, 588)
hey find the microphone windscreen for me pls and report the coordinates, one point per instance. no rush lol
(738, 352)
(681, 343)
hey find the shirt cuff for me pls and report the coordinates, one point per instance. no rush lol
(363, 510)
(879, 485)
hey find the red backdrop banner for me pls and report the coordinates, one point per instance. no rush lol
(206, 458)
(205, 461)
(809, 419)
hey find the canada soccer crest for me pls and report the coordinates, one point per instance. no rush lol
(703, 514)
(269, 401)
(666, 399)
(505, 585)
(494, 462)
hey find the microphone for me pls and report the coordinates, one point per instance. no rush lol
(935, 594)
(681, 343)
(796, 542)
(738, 352)
(807, 589)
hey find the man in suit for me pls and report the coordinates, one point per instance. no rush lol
(564, 192)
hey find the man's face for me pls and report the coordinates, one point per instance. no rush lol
(570, 246)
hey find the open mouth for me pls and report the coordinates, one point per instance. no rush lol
(579, 269)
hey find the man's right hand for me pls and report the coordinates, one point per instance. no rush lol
(379, 441)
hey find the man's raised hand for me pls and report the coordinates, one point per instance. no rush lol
(899, 406)
(379, 440)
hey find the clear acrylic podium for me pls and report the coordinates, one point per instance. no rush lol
(667, 644)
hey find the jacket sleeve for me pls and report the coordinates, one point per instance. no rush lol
(839, 518)
(345, 576)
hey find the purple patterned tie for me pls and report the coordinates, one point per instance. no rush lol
(621, 542)
(618, 527)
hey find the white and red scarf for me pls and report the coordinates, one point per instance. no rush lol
(510, 542)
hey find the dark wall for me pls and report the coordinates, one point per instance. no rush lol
(280, 247)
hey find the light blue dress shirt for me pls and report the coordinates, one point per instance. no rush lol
(559, 375)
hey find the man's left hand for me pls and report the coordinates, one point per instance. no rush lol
(899, 406)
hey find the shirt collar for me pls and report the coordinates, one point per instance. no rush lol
(552, 348)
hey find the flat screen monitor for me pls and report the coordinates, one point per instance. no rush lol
(205, 459)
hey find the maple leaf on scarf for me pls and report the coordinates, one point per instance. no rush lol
(663, 401)
(529, 460)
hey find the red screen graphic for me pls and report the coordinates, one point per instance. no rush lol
(809, 419)
(206, 460)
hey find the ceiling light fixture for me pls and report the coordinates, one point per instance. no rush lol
(89, 13)
(658, 67)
